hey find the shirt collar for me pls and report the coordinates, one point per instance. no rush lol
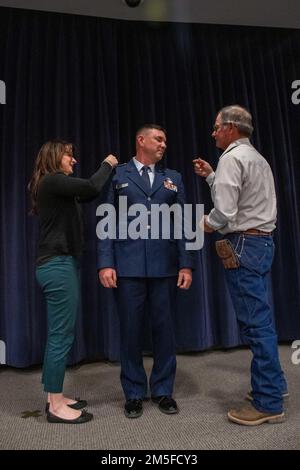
(237, 142)
(140, 165)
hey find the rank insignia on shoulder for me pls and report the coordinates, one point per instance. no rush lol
(168, 184)
(121, 185)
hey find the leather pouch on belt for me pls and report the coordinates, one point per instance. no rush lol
(227, 254)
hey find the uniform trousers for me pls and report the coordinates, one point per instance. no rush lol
(135, 296)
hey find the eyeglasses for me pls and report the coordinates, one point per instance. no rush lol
(216, 127)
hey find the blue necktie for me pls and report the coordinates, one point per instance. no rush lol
(145, 176)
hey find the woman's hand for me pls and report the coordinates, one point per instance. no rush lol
(112, 160)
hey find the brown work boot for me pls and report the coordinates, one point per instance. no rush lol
(250, 416)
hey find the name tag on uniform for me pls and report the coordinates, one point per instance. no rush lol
(122, 185)
(168, 184)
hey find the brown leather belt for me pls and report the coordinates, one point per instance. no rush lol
(255, 231)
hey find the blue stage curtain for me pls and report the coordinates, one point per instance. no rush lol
(94, 81)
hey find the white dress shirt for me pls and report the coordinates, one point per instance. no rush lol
(243, 191)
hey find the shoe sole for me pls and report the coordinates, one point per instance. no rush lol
(131, 415)
(173, 412)
(267, 419)
(57, 420)
(249, 397)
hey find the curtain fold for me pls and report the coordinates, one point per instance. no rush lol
(93, 81)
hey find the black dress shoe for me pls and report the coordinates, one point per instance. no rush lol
(76, 406)
(83, 418)
(166, 404)
(133, 408)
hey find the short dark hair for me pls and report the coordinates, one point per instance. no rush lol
(146, 127)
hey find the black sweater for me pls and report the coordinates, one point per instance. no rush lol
(60, 214)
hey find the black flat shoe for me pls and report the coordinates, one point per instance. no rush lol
(166, 404)
(76, 406)
(83, 418)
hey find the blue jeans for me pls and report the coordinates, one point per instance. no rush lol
(248, 289)
(59, 280)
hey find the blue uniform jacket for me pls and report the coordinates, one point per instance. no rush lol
(144, 257)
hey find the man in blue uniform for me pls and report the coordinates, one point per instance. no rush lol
(145, 272)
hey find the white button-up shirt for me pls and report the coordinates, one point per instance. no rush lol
(242, 189)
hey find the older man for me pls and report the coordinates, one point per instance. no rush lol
(243, 193)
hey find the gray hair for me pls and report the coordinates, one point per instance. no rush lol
(238, 116)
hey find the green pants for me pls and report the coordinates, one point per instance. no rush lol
(59, 280)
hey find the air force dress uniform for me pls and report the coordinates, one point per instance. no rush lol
(147, 271)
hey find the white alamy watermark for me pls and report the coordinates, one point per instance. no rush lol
(2, 92)
(296, 94)
(295, 357)
(2, 352)
(157, 222)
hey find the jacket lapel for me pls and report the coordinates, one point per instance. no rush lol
(158, 179)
